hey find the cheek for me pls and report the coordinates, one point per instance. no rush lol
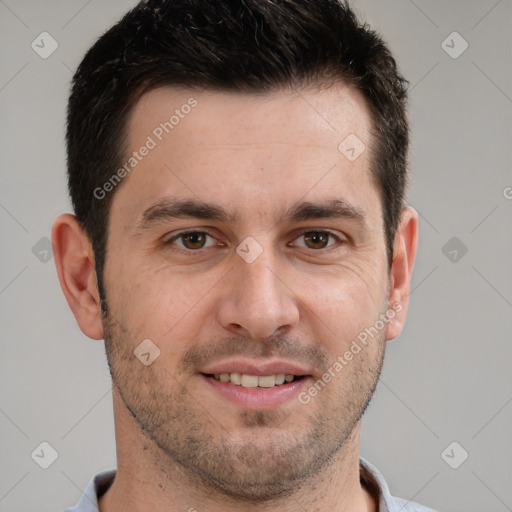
(163, 303)
(345, 302)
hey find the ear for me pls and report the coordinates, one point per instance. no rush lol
(404, 255)
(74, 259)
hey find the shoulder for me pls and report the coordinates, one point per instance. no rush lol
(96, 487)
(373, 479)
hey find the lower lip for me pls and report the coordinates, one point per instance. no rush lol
(257, 398)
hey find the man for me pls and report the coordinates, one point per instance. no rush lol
(238, 172)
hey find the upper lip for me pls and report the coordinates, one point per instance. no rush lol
(255, 368)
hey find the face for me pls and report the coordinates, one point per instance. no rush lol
(247, 247)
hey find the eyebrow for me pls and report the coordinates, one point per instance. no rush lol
(173, 208)
(332, 209)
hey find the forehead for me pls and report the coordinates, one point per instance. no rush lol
(327, 113)
(255, 151)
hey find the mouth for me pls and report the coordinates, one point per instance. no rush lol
(254, 381)
(255, 392)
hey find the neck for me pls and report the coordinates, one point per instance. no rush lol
(147, 479)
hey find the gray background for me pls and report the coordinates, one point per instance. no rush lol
(447, 378)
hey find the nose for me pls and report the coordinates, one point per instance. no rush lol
(257, 300)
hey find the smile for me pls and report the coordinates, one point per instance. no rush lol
(255, 381)
(256, 392)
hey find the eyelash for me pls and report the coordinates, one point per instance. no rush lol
(302, 233)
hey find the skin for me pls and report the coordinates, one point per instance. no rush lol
(180, 445)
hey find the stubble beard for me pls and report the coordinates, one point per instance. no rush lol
(266, 459)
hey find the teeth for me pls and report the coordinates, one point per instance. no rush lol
(267, 381)
(236, 378)
(254, 381)
(249, 381)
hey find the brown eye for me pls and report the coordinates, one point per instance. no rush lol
(192, 240)
(316, 239)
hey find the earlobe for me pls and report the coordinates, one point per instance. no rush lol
(404, 255)
(74, 260)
